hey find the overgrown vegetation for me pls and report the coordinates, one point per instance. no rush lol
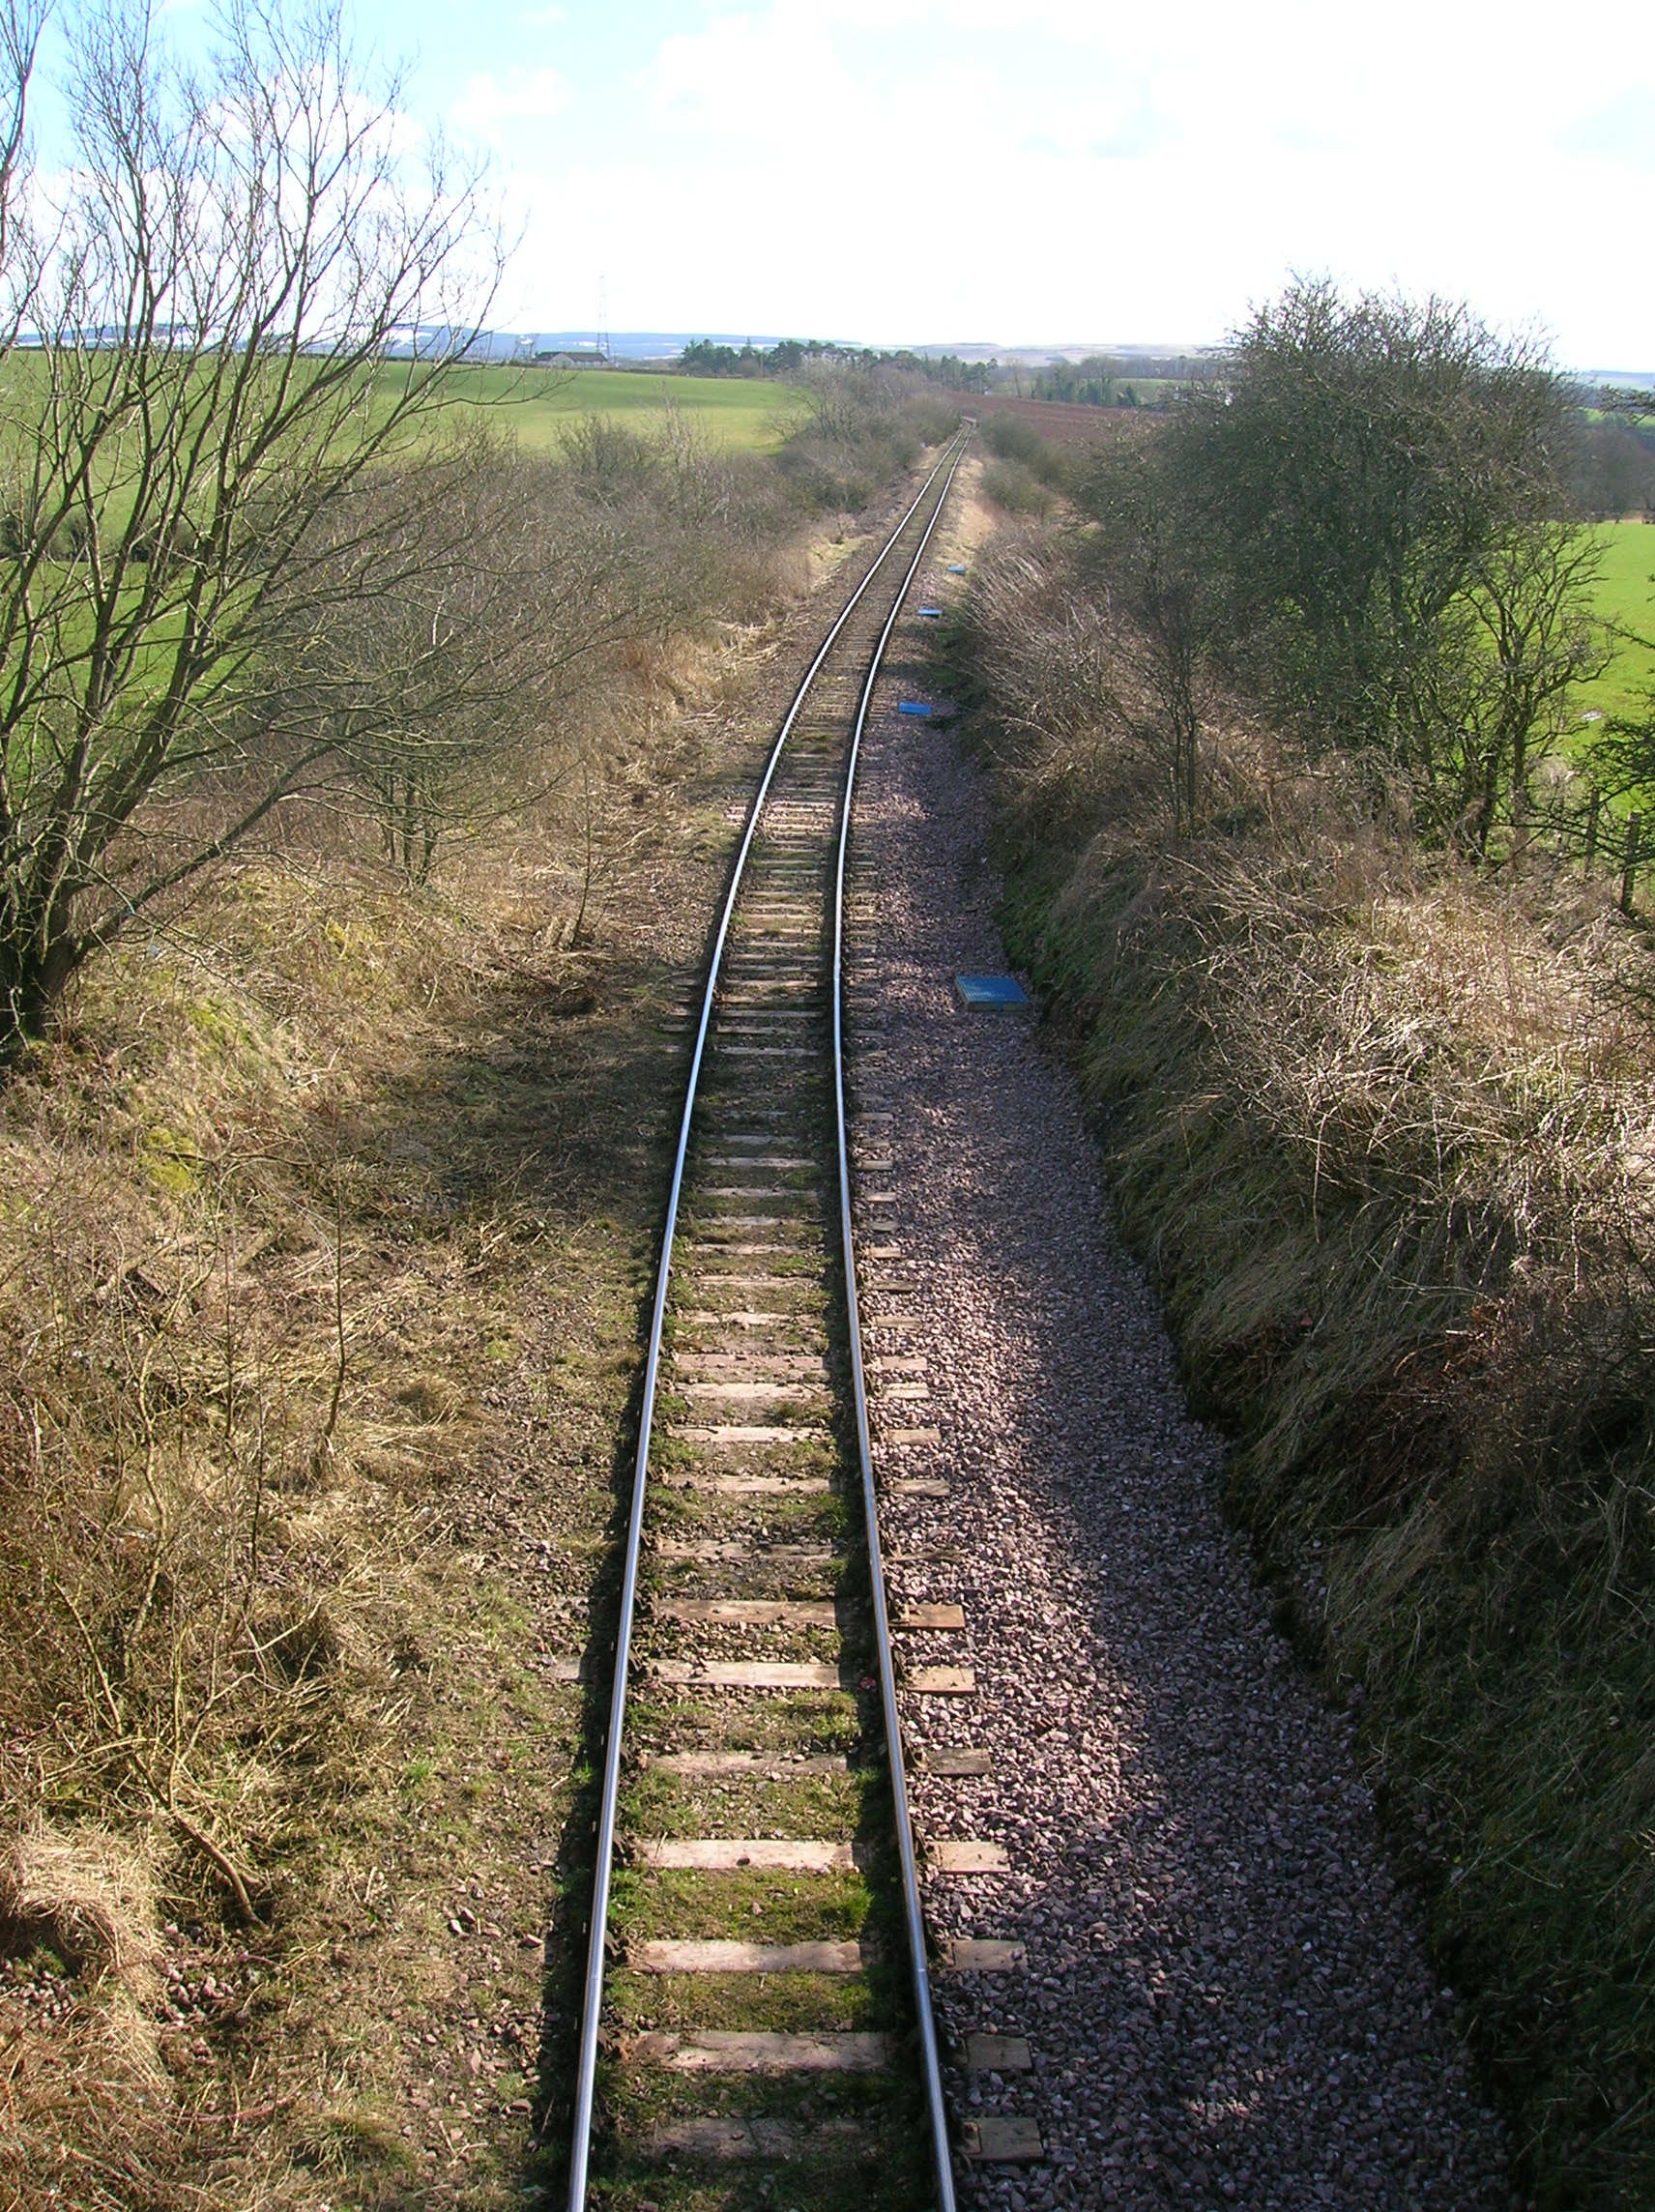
(1026, 473)
(321, 1197)
(863, 421)
(1372, 1060)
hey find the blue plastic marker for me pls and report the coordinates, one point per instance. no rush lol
(929, 614)
(991, 990)
(913, 707)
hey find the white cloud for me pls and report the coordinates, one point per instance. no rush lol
(1621, 131)
(954, 170)
(530, 96)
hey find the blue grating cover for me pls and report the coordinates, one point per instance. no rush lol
(991, 990)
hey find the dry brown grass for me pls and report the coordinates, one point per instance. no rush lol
(223, 1430)
(86, 1895)
(85, 2096)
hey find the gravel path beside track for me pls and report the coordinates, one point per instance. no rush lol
(1225, 2003)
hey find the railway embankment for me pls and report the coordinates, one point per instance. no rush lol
(1379, 1127)
(330, 1210)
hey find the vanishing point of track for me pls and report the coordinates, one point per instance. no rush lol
(753, 1526)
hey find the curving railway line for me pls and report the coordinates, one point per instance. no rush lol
(758, 1983)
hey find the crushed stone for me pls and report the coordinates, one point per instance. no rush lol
(1225, 1994)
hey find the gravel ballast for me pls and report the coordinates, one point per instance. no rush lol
(1223, 1997)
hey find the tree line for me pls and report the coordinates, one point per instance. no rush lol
(1367, 522)
(792, 358)
(1102, 380)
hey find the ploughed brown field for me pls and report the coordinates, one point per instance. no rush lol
(1063, 422)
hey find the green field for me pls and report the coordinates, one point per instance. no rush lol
(1626, 596)
(739, 414)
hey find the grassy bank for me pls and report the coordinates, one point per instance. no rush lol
(330, 1208)
(1383, 1134)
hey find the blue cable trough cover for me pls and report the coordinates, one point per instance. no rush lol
(991, 990)
(913, 707)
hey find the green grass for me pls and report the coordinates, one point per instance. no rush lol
(740, 415)
(1625, 596)
(795, 2004)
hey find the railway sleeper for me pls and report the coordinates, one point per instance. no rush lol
(821, 2147)
(762, 2051)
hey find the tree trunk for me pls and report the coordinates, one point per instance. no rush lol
(35, 970)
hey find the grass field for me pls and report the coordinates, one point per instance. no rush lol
(531, 404)
(739, 414)
(1626, 596)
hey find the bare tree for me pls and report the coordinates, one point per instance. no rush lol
(468, 608)
(21, 22)
(244, 309)
(1533, 603)
(1147, 552)
(836, 398)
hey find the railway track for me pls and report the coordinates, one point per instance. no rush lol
(757, 1998)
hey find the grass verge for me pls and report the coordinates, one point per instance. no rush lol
(1383, 1134)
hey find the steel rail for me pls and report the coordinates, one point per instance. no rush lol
(858, 1389)
(593, 2002)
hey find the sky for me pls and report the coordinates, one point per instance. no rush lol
(1034, 171)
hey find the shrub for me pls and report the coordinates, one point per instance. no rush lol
(1015, 489)
(1012, 438)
